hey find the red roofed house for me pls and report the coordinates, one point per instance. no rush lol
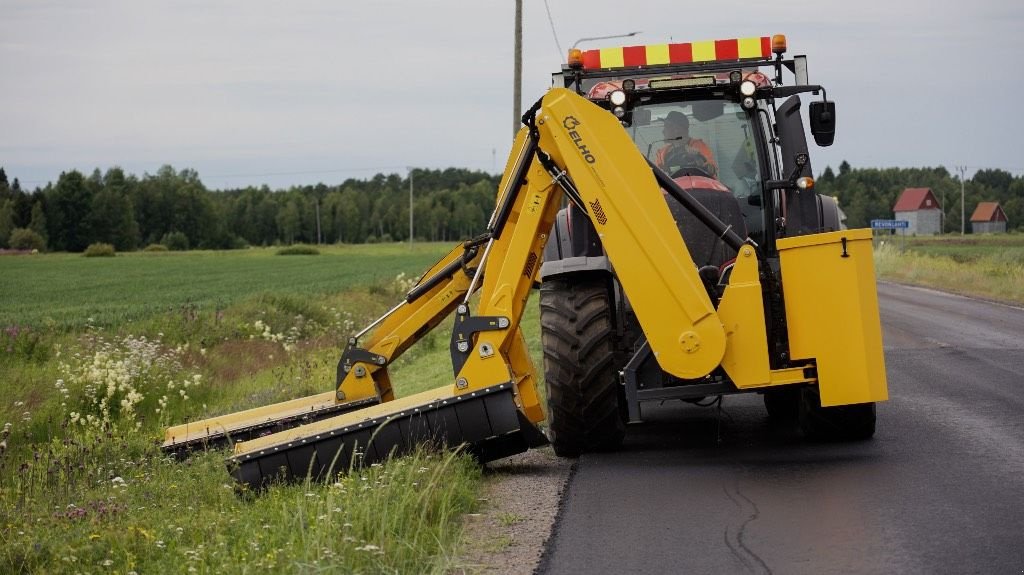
(919, 207)
(988, 218)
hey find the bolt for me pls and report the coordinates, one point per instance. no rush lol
(690, 342)
(380, 360)
(502, 322)
(463, 346)
(360, 371)
(340, 395)
(461, 383)
(462, 309)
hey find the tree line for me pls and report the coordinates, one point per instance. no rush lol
(865, 194)
(175, 209)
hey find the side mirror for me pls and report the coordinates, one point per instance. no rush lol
(823, 122)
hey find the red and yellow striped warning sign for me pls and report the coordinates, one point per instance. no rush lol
(655, 54)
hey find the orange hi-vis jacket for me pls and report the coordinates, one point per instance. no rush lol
(693, 146)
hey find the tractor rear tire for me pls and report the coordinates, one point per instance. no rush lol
(580, 370)
(783, 404)
(839, 423)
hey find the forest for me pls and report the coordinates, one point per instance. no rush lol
(175, 209)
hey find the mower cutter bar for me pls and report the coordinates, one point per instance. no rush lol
(250, 424)
(487, 422)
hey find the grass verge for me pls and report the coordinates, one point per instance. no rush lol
(994, 271)
(84, 488)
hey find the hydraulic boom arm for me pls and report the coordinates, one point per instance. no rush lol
(568, 146)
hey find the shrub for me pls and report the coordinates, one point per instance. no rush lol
(26, 239)
(155, 248)
(22, 343)
(99, 250)
(176, 241)
(298, 250)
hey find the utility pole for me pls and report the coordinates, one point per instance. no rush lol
(410, 207)
(942, 214)
(963, 213)
(517, 71)
(318, 237)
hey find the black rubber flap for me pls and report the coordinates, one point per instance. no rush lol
(487, 422)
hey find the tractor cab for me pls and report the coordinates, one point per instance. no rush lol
(706, 114)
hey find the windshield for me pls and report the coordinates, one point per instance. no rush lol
(712, 136)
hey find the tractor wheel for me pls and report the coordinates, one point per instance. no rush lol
(838, 423)
(580, 371)
(783, 404)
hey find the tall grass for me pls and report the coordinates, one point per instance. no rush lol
(993, 274)
(137, 511)
(85, 489)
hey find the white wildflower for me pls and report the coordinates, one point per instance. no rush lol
(368, 547)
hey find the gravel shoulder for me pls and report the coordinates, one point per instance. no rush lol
(519, 504)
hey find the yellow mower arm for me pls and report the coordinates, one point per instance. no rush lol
(362, 378)
(492, 404)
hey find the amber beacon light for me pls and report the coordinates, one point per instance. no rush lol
(779, 44)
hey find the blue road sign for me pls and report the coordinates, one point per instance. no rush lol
(889, 224)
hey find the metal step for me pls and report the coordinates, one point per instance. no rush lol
(224, 430)
(487, 422)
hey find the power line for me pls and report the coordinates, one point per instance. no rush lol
(561, 53)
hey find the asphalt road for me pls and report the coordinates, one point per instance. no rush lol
(940, 489)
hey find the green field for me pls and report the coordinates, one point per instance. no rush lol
(65, 290)
(98, 355)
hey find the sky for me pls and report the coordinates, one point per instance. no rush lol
(289, 93)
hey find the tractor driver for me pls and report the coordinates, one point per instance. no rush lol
(682, 151)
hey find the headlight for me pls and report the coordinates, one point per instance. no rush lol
(619, 112)
(748, 88)
(618, 98)
(748, 103)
